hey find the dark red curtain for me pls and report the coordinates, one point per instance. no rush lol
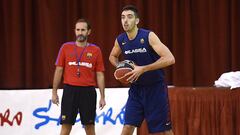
(202, 34)
(203, 111)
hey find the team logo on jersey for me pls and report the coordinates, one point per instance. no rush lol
(142, 41)
(89, 55)
(123, 43)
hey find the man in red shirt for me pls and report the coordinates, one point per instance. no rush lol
(81, 65)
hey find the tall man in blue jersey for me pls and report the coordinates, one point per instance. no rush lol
(148, 96)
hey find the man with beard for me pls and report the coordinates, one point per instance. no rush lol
(81, 65)
(148, 96)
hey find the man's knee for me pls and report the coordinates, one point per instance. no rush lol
(90, 129)
(127, 130)
(66, 129)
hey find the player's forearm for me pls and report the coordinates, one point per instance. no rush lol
(113, 60)
(161, 63)
(57, 78)
(101, 83)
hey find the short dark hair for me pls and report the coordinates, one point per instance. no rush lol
(85, 21)
(132, 8)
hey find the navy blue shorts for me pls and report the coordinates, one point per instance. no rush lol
(150, 103)
(78, 99)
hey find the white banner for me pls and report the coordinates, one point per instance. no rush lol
(30, 112)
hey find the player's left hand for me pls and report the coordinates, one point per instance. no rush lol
(138, 71)
(102, 103)
(55, 99)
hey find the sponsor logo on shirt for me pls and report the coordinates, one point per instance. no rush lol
(168, 124)
(123, 43)
(138, 50)
(85, 64)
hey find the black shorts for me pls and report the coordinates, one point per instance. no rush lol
(78, 99)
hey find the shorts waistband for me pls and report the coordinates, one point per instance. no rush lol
(68, 85)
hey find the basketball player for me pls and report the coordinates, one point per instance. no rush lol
(148, 95)
(79, 62)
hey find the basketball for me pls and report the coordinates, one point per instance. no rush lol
(123, 68)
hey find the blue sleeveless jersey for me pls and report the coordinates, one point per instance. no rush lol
(139, 51)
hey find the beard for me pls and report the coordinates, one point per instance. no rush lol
(81, 38)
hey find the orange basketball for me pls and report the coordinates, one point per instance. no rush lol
(123, 68)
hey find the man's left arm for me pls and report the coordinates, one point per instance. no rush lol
(166, 58)
(101, 86)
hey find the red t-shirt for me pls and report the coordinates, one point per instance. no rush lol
(91, 61)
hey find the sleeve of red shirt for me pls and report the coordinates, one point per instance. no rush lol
(100, 63)
(61, 57)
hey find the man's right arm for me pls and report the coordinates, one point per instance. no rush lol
(56, 82)
(116, 51)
